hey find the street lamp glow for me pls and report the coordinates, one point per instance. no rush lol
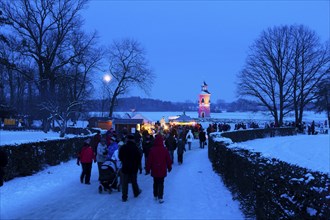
(107, 78)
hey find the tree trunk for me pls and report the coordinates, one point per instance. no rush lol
(112, 106)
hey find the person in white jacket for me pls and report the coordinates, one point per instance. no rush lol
(189, 138)
(101, 153)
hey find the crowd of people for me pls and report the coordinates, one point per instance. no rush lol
(126, 151)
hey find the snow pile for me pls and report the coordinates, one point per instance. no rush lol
(308, 151)
(19, 137)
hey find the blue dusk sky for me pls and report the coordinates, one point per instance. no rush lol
(188, 42)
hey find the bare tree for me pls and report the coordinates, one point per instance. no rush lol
(48, 34)
(322, 102)
(129, 67)
(74, 85)
(310, 65)
(43, 31)
(283, 69)
(265, 76)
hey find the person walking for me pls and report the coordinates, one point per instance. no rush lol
(202, 138)
(189, 138)
(181, 148)
(159, 162)
(96, 140)
(86, 157)
(147, 142)
(129, 156)
(101, 155)
(171, 144)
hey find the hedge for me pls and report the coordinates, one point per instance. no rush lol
(251, 134)
(270, 188)
(27, 159)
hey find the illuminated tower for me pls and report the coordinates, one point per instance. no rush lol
(204, 103)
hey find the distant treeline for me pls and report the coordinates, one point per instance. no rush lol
(147, 104)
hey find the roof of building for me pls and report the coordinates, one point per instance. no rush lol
(127, 121)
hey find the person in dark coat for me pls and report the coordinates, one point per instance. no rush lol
(171, 145)
(147, 142)
(86, 157)
(3, 164)
(181, 148)
(130, 158)
(202, 138)
(96, 140)
(159, 162)
(313, 128)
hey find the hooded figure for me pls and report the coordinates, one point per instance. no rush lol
(159, 162)
(189, 138)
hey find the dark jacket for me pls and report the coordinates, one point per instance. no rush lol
(159, 160)
(147, 143)
(130, 157)
(181, 147)
(95, 141)
(202, 136)
(170, 143)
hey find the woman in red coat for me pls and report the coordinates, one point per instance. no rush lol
(159, 162)
(86, 157)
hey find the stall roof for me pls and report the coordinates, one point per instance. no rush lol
(127, 121)
(183, 118)
(139, 116)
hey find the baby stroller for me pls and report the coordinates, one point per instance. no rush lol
(109, 175)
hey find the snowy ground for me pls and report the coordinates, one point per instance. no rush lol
(192, 191)
(309, 151)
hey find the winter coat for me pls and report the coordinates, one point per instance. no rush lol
(137, 138)
(170, 143)
(147, 143)
(102, 152)
(86, 154)
(111, 149)
(115, 158)
(189, 136)
(130, 158)
(202, 136)
(95, 141)
(181, 147)
(159, 160)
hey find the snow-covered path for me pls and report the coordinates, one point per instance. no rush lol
(192, 191)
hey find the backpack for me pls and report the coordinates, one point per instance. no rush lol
(189, 136)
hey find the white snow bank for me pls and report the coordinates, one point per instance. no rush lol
(309, 151)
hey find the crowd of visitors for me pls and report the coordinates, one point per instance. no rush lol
(126, 151)
(158, 147)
